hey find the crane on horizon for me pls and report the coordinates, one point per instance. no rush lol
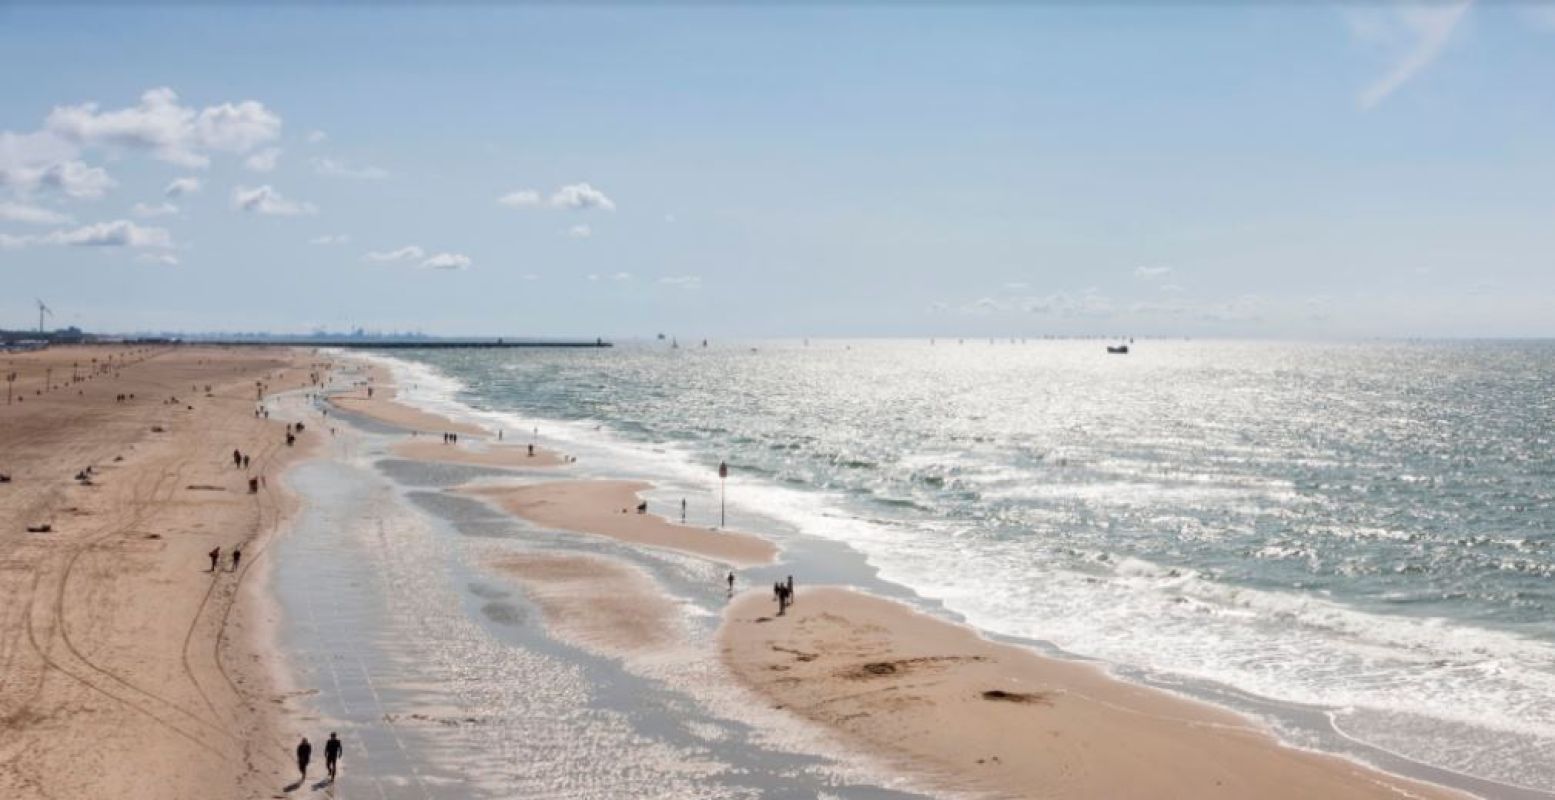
(42, 309)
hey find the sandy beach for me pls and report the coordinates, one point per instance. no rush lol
(382, 407)
(977, 715)
(490, 455)
(598, 603)
(130, 670)
(605, 508)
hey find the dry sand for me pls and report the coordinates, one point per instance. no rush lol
(597, 507)
(601, 604)
(127, 670)
(425, 449)
(977, 715)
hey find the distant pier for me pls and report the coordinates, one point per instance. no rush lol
(402, 344)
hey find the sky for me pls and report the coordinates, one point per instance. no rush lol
(1290, 170)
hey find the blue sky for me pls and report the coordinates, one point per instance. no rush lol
(1300, 170)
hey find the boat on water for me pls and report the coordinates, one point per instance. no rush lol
(1121, 349)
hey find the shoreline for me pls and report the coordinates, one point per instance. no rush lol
(595, 507)
(984, 716)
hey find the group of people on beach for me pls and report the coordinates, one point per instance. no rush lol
(782, 592)
(450, 438)
(332, 750)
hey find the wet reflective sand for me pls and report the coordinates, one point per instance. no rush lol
(440, 675)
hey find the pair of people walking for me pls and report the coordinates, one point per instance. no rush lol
(331, 756)
(237, 557)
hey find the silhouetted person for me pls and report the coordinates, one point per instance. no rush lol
(245, 461)
(683, 521)
(237, 459)
(237, 556)
(215, 555)
(304, 754)
(531, 450)
(731, 583)
(331, 755)
(788, 590)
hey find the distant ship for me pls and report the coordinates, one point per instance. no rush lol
(1121, 349)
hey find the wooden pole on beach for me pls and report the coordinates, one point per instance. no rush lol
(723, 473)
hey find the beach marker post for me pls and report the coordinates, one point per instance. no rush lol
(723, 473)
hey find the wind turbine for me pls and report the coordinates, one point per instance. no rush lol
(42, 309)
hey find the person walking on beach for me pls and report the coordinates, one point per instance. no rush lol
(731, 584)
(215, 555)
(331, 755)
(237, 458)
(237, 556)
(683, 521)
(304, 754)
(788, 590)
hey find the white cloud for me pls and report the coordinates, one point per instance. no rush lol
(1415, 33)
(579, 196)
(76, 179)
(522, 198)
(446, 261)
(338, 169)
(579, 232)
(182, 186)
(683, 281)
(31, 161)
(1151, 273)
(572, 197)
(42, 160)
(331, 238)
(317, 137)
(159, 210)
(407, 253)
(165, 259)
(264, 160)
(24, 156)
(266, 200)
(171, 132)
(33, 215)
(621, 276)
(118, 233)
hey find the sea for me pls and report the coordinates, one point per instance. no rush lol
(1353, 541)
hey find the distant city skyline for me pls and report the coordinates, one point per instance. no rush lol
(1290, 170)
